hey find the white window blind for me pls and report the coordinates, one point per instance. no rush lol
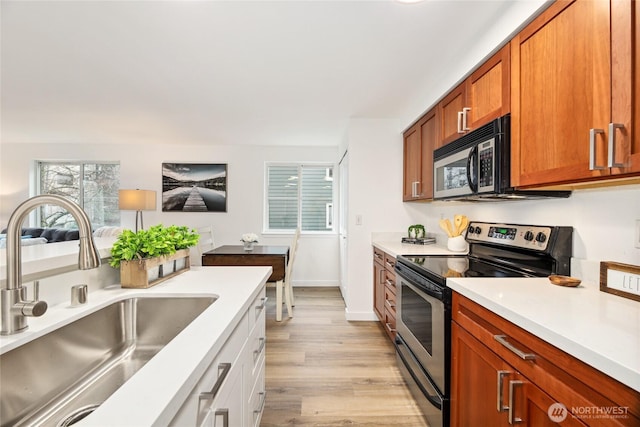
(299, 196)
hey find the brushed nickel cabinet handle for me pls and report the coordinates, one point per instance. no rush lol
(389, 327)
(501, 375)
(389, 283)
(460, 129)
(390, 304)
(225, 416)
(263, 399)
(465, 113)
(502, 339)
(592, 149)
(612, 145)
(263, 304)
(223, 371)
(257, 351)
(414, 188)
(512, 409)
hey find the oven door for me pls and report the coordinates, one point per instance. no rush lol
(421, 322)
(454, 175)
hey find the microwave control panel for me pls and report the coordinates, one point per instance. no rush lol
(486, 162)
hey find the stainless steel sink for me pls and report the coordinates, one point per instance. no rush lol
(59, 378)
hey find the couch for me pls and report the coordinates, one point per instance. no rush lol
(52, 235)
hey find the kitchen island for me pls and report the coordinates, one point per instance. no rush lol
(156, 393)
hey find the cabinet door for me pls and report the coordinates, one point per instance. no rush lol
(428, 139)
(560, 94)
(412, 164)
(535, 408)
(478, 382)
(488, 90)
(379, 274)
(625, 84)
(449, 110)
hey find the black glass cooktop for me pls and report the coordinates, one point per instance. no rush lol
(438, 268)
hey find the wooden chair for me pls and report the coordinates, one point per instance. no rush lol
(205, 243)
(284, 286)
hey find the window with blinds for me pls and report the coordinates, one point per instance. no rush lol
(299, 196)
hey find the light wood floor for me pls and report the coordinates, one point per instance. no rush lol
(324, 371)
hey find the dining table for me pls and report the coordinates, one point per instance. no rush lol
(276, 257)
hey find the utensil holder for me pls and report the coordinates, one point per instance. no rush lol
(457, 244)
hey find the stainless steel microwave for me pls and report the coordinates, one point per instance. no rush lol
(477, 166)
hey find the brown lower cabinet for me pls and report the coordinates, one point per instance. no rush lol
(384, 290)
(502, 375)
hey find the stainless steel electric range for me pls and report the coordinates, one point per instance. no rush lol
(423, 306)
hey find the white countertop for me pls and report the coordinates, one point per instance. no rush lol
(395, 248)
(600, 329)
(154, 394)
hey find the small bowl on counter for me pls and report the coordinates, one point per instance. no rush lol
(567, 281)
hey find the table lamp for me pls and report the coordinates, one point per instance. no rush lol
(137, 200)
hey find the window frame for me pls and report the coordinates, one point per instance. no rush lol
(37, 184)
(299, 166)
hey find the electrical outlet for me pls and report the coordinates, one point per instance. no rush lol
(637, 240)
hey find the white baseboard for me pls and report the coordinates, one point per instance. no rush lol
(315, 283)
(360, 316)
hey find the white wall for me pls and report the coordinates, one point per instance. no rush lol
(141, 167)
(375, 193)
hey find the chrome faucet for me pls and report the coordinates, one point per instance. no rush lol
(13, 303)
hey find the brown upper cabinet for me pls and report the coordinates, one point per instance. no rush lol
(419, 143)
(482, 97)
(574, 86)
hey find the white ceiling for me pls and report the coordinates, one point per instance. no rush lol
(229, 72)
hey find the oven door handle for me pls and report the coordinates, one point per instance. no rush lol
(472, 160)
(412, 365)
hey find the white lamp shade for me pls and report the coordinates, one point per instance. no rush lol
(137, 200)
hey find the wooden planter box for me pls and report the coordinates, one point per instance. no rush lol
(145, 273)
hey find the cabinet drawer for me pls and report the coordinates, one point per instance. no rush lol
(257, 345)
(224, 367)
(390, 301)
(257, 309)
(564, 378)
(257, 399)
(378, 256)
(390, 263)
(390, 281)
(390, 323)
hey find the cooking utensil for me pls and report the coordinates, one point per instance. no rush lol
(457, 221)
(464, 224)
(445, 224)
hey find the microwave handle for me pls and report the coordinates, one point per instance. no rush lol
(472, 160)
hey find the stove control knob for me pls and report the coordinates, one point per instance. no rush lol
(541, 237)
(478, 230)
(471, 229)
(528, 236)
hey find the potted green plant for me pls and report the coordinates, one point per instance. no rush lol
(148, 257)
(416, 231)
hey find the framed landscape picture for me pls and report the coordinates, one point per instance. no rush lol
(194, 187)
